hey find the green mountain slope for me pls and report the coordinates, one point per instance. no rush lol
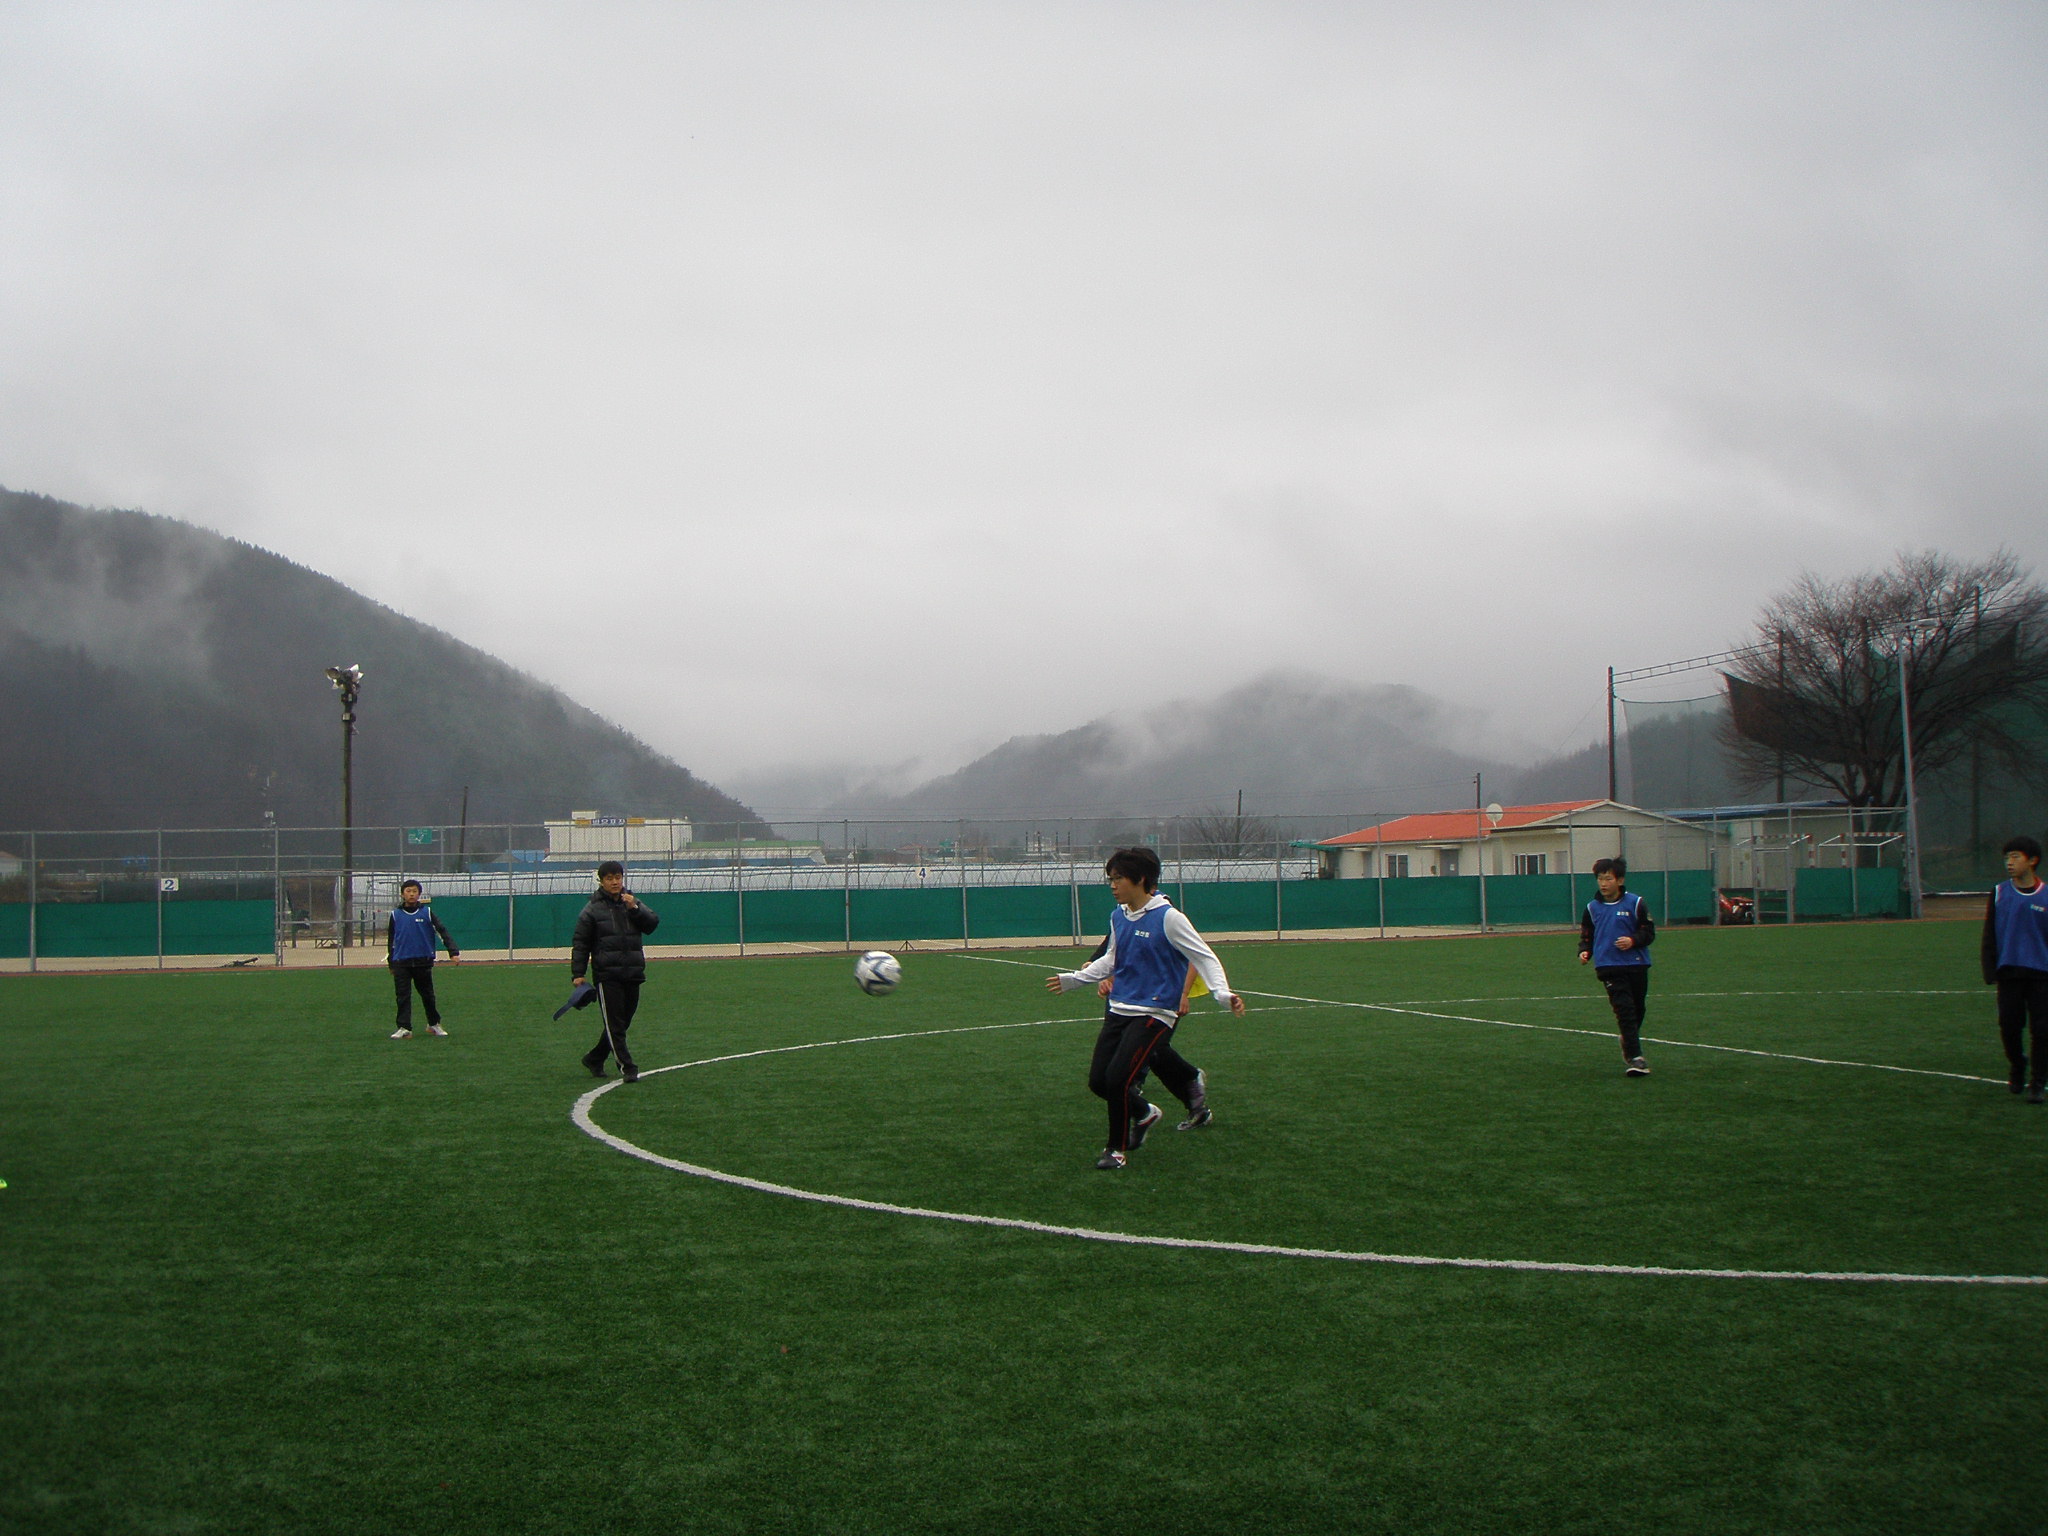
(156, 674)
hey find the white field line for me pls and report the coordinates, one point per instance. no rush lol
(1414, 1011)
(584, 1120)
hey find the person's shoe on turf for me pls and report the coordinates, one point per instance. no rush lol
(2037, 1093)
(435, 1029)
(1197, 1118)
(594, 1068)
(631, 1074)
(1637, 1067)
(401, 1034)
(1143, 1124)
(2016, 1080)
(1110, 1161)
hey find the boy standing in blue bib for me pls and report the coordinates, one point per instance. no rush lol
(409, 951)
(2016, 962)
(1614, 937)
(1150, 948)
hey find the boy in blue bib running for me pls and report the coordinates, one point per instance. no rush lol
(2016, 962)
(1150, 949)
(1615, 934)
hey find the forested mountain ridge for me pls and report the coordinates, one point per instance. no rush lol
(157, 674)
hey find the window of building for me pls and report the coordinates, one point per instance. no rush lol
(1532, 863)
(1397, 866)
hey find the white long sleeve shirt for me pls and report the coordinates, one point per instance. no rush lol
(1180, 933)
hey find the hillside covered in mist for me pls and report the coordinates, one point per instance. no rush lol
(156, 674)
(1295, 743)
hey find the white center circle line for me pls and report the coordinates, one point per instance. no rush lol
(587, 1123)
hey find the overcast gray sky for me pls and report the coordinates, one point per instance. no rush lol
(866, 382)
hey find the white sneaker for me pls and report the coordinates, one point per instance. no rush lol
(1142, 1125)
(401, 1034)
(435, 1029)
(1637, 1067)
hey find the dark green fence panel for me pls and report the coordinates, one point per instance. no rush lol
(891, 916)
(1823, 893)
(1020, 912)
(544, 922)
(220, 928)
(474, 922)
(1309, 904)
(1513, 900)
(793, 917)
(1433, 901)
(14, 931)
(699, 917)
(1228, 906)
(1691, 898)
(90, 930)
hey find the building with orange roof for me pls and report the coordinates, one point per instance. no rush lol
(1550, 839)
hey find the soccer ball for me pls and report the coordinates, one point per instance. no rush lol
(877, 973)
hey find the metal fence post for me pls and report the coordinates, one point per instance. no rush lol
(1664, 858)
(1379, 861)
(159, 898)
(846, 875)
(280, 905)
(31, 902)
(1279, 917)
(960, 865)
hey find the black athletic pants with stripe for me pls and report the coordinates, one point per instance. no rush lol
(2023, 1009)
(620, 1000)
(407, 974)
(1628, 992)
(1129, 1047)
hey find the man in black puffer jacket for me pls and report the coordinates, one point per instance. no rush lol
(608, 945)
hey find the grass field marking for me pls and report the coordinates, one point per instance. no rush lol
(587, 1123)
(1608, 1034)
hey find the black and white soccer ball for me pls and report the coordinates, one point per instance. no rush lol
(877, 973)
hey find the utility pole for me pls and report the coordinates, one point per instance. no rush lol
(1612, 784)
(348, 682)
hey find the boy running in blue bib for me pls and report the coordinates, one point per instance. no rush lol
(1615, 936)
(2016, 962)
(1151, 946)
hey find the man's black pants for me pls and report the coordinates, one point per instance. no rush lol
(2023, 1010)
(407, 974)
(1129, 1047)
(619, 1001)
(1628, 992)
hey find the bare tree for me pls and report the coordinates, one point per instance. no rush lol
(1817, 694)
(1221, 835)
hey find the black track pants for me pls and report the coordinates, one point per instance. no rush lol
(1167, 1064)
(407, 974)
(1124, 1051)
(619, 1000)
(1628, 992)
(2023, 1010)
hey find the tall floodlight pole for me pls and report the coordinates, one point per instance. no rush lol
(348, 682)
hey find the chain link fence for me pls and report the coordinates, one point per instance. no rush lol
(320, 895)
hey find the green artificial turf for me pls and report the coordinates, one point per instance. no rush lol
(267, 1270)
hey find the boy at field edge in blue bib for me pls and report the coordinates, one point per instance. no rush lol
(2016, 962)
(409, 951)
(1615, 934)
(1146, 961)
